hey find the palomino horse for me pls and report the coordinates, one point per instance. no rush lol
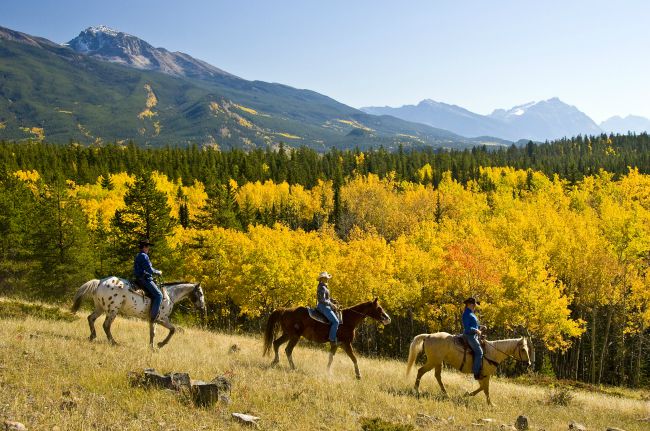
(441, 347)
(296, 323)
(112, 296)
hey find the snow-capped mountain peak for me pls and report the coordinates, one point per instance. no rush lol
(546, 119)
(112, 45)
(103, 29)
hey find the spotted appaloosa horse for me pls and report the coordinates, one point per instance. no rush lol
(112, 296)
(296, 323)
(441, 347)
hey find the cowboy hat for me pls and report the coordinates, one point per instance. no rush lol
(324, 274)
(144, 243)
(471, 300)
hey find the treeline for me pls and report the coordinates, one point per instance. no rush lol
(571, 159)
(565, 258)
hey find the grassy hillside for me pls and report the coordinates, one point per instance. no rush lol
(50, 375)
(50, 92)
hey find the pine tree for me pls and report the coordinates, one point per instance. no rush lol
(146, 215)
(60, 242)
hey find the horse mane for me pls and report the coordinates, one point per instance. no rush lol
(172, 283)
(356, 306)
(507, 343)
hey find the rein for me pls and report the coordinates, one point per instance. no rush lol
(520, 359)
(177, 303)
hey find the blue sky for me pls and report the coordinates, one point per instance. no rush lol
(477, 54)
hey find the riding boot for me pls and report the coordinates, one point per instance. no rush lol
(333, 344)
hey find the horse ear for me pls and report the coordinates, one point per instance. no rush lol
(376, 299)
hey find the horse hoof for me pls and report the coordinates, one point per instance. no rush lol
(358, 376)
(161, 345)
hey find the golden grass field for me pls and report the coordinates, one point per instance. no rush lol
(45, 363)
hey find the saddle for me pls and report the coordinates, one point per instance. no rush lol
(135, 287)
(319, 317)
(461, 342)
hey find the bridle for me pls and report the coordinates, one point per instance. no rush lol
(200, 294)
(519, 351)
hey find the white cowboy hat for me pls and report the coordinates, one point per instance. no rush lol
(324, 274)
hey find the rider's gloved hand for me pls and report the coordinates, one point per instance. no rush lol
(157, 272)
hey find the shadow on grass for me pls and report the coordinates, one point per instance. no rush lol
(459, 400)
(15, 309)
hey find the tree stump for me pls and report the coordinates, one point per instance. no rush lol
(153, 379)
(207, 394)
(180, 380)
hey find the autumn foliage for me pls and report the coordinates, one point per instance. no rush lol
(566, 261)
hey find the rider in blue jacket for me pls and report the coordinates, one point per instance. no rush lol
(472, 332)
(143, 271)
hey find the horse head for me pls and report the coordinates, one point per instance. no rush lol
(198, 299)
(376, 312)
(525, 352)
(525, 347)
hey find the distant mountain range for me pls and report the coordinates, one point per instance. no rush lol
(537, 121)
(631, 123)
(106, 85)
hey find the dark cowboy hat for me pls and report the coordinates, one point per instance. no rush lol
(471, 300)
(144, 243)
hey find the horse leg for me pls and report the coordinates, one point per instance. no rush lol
(485, 384)
(91, 322)
(289, 350)
(480, 388)
(421, 372)
(333, 347)
(110, 316)
(439, 378)
(172, 329)
(276, 346)
(152, 333)
(347, 347)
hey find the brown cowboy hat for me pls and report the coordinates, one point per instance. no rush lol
(144, 243)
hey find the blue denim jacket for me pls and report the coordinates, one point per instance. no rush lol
(470, 322)
(142, 267)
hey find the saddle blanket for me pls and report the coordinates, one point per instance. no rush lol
(319, 317)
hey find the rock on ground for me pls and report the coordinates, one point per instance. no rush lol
(14, 426)
(521, 423)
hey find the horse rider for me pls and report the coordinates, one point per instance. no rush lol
(327, 305)
(144, 272)
(472, 332)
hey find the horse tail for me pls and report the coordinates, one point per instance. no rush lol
(269, 333)
(87, 288)
(417, 346)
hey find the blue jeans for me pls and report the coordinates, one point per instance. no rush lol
(331, 316)
(155, 293)
(473, 342)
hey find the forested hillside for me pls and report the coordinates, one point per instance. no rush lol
(51, 92)
(564, 256)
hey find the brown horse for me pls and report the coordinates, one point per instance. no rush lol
(441, 347)
(296, 323)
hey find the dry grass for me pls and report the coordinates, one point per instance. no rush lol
(42, 359)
